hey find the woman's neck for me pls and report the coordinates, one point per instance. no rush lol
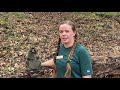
(67, 45)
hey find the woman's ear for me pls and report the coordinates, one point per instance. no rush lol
(74, 33)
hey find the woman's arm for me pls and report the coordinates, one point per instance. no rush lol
(48, 63)
(85, 63)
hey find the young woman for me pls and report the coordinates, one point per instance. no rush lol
(72, 59)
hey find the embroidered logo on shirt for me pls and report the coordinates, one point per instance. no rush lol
(88, 70)
(59, 57)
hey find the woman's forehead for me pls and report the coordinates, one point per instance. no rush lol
(65, 27)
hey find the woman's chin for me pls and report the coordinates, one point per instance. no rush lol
(65, 42)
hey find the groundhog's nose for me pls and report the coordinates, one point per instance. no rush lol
(33, 50)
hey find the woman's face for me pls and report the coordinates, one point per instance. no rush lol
(66, 33)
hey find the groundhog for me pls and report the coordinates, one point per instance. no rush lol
(32, 60)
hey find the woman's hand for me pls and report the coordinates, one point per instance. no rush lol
(49, 63)
(89, 76)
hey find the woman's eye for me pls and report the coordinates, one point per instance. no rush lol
(61, 31)
(66, 31)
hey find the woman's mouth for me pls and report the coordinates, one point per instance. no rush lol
(64, 39)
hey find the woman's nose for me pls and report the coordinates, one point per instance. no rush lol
(63, 33)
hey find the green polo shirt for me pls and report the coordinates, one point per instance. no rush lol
(80, 62)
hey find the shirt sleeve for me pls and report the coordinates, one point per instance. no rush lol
(85, 62)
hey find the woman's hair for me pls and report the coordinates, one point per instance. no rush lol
(68, 67)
